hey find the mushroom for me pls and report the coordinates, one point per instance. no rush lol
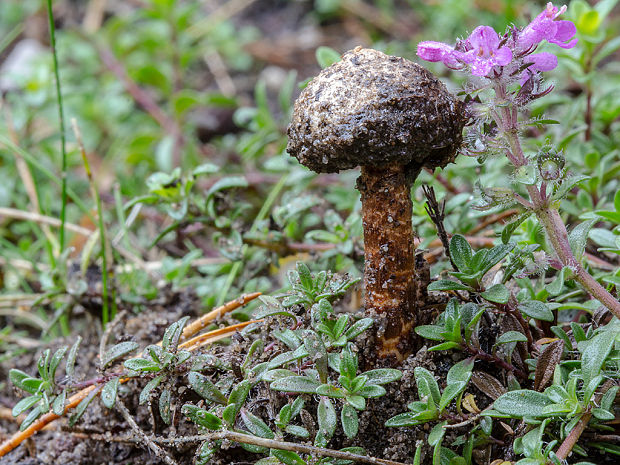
(392, 118)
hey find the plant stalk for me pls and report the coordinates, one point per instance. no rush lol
(389, 256)
(548, 216)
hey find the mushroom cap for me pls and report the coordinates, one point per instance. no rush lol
(372, 109)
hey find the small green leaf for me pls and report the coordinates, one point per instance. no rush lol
(317, 352)
(594, 352)
(201, 417)
(170, 341)
(146, 390)
(272, 375)
(557, 284)
(117, 351)
(298, 431)
(567, 185)
(357, 402)
(305, 278)
(578, 237)
(603, 415)
(432, 332)
(460, 252)
(372, 391)
(238, 396)
(349, 420)
(58, 406)
(358, 328)
(497, 293)
(57, 357)
(255, 425)
(382, 375)
(449, 393)
(165, 410)
(330, 391)
(229, 414)
(526, 174)
(70, 363)
(295, 384)
(536, 309)
(17, 377)
(141, 364)
(427, 386)
(445, 346)
(437, 434)
(108, 393)
(31, 417)
(82, 406)
(206, 452)
(205, 388)
(447, 285)
(522, 403)
(288, 357)
(327, 419)
(287, 457)
(511, 336)
(25, 404)
(511, 227)
(348, 363)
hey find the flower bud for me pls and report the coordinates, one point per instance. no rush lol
(550, 163)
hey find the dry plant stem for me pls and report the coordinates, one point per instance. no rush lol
(389, 270)
(548, 216)
(567, 446)
(246, 439)
(558, 237)
(20, 436)
(158, 451)
(294, 447)
(204, 320)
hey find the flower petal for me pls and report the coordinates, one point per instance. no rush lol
(436, 51)
(503, 56)
(566, 30)
(543, 61)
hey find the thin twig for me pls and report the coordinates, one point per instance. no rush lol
(437, 213)
(283, 445)
(204, 320)
(158, 451)
(39, 218)
(491, 219)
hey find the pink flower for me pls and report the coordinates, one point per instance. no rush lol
(545, 27)
(543, 61)
(484, 51)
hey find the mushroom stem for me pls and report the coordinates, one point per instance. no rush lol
(389, 255)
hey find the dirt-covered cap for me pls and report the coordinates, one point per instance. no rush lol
(372, 109)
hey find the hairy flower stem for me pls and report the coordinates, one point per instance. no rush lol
(548, 216)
